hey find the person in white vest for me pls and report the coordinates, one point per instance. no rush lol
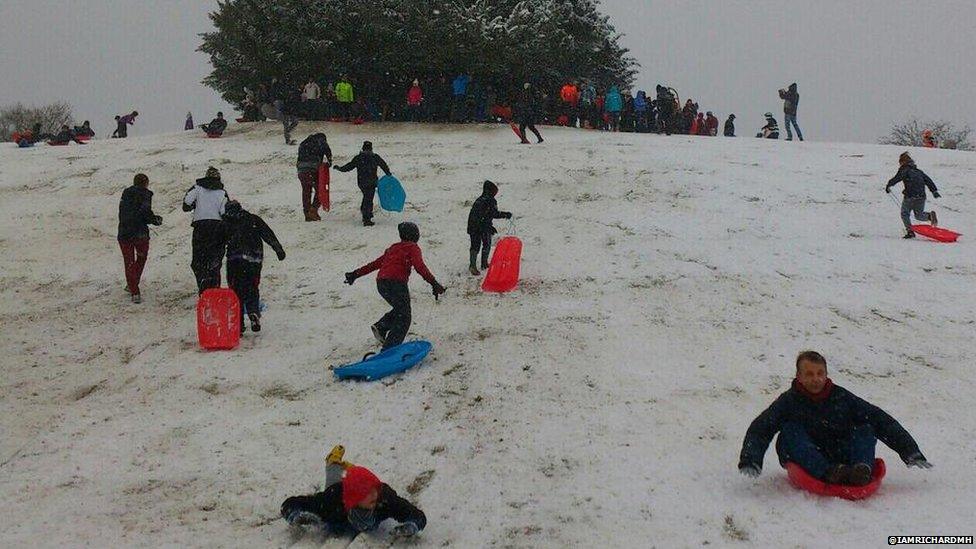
(206, 200)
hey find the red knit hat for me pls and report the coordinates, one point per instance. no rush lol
(357, 484)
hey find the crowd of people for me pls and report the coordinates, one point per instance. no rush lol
(464, 99)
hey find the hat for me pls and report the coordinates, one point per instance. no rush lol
(768, 115)
(356, 485)
(409, 231)
(526, 85)
(213, 172)
(367, 145)
(232, 208)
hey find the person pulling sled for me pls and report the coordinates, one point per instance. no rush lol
(246, 235)
(366, 163)
(313, 151)
(394, 271)
(480, 227)
(915, 181)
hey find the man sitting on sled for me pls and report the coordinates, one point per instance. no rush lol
(825, 429)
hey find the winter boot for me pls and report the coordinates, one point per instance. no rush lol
(379, 334)
(934, 219)
(136, 298)
(471, 264)
(860, 474)
(312, 215)
(335, 457)
(473, 270)
(255, 322)
(368, 223)
(838, 474)
(909, 234)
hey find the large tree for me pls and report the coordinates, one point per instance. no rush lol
(384, 44)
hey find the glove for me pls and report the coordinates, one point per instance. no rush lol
(751, 470)
(936, 195)
(888, 190)
(158, 220)
(350, 278)
(507, 215)
(918, 460)
(438, 289)
(405, 530)
(281, 255)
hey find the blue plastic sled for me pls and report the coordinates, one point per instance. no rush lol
(389, 362)
(24, 144)
(392, 195)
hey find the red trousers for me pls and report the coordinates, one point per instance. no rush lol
(310, 185)
(134, 255)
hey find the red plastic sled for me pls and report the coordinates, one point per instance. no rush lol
(324, 178)
(802, 480)
(219, 319)
(503, 271)
(936, 233)
(53, 144)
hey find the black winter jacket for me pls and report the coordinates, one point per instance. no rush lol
(484, 210)
(729, 128)
(135, 213)
(217, 125)
(246, 235)
(526, 108)
(829, 424)
(328, 505)
(366, 163)
(312, 151)
(915, 181)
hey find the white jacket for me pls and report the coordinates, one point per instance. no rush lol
(312, 91)
(206, 203)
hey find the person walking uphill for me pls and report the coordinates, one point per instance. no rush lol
(391, 282)
(480, 228)
(311, 154)
(207, 200)
(246, 235)
(825, 429)
(915, 181)
(791, 100)
(135, 216)
(123, 123)
(366, 163)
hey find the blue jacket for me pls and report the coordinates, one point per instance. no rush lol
(640, 102)
(828, 423)
(460, 85)
(614, 102)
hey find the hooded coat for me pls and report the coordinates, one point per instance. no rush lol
(135, 213)
(246, 235)
(485, 210)
(915, 181)
(312, 151)
(206, 199)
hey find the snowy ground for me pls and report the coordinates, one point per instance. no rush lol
(667, 285)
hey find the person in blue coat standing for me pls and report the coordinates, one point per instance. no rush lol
(613, 105)
(825, 429)
(460, 91)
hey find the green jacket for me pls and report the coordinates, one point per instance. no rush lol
(343, 91)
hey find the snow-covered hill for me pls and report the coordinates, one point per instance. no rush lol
(668, 282)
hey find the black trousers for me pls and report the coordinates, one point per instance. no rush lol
(209, 243)
(244, 277)
(531, 126)
(395, 323)
(366, 207)
(480, 241)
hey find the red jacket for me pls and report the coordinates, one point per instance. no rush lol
(415, 96)
(712, 124)
(693, 130)
(570, 94)
(395, 263)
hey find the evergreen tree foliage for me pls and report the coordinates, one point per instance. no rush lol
(384, 44)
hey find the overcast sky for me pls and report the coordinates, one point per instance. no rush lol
(860, 65)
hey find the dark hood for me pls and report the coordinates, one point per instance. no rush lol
(489, 189)
(210, 183)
